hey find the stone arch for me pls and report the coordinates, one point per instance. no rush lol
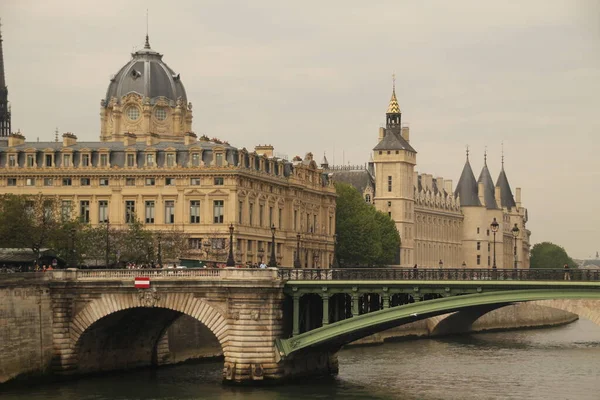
(589, 309)
(107, 304)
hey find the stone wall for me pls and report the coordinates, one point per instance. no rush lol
(25, 329)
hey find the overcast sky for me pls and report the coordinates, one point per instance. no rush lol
(316, 76)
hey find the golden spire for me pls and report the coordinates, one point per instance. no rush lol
(393, 108)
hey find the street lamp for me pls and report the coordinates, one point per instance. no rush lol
(515, 231)
(159, 255)
(107, 243)
(297, 258)
(494, 225)
(273, 261)
(335, 260)
(230, 260)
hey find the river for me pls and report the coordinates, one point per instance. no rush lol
(556, 363)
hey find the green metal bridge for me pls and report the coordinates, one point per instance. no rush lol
(332, 307)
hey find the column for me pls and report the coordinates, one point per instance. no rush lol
(325, 298)
(386, 299)
(296, 316)
(355, 297)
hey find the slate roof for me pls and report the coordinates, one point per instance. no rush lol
(467, 187)
(393, 141)
(360, 179)
(506, 196)
(488, 187)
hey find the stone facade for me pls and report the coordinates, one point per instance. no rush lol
(149, 165)
(439, 226)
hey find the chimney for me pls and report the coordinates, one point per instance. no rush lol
(267, 150)
(152, 139)
(405, 133)
(69, 139)
(189, 138)
(518, 198)
(448, 186)
(381, 133)
(426, 181)
(480, 193)
(416, 179)
(129, 139)
(497, 195)
(439, 182)
(16, 139)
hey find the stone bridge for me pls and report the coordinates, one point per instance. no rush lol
(271, 324)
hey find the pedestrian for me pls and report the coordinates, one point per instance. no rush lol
(567, 273)
(415, 271)
(262, 265)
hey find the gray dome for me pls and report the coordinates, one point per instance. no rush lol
(147, 75)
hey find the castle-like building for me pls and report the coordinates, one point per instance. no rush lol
(440, 226)
(150, 166)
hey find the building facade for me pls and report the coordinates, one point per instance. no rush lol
(440, 226)
(150, 166)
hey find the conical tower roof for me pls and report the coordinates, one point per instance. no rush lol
(506, 196)
(467, 187)
(394, 107)
(488, 186)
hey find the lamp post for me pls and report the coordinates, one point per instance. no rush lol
(515, 231)
(230, 259)
(335, 260)
(273, 261)
(159, 255)
(297, 258)
(494, 225)
(72, 249)
(107, 243)
(261, 253)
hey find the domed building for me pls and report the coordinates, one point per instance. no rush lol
(146, 97)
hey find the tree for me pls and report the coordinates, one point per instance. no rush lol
(365, 235)
(550, 255)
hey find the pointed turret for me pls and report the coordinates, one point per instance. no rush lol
(393, 114)
(507, 200)
(488, 185)
(324, 162)
(466, 189)
(4, 106)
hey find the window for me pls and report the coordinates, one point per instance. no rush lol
(84, 211)
(65, 210)
(249, 246)
(270, 216)
(279, 218)
(219, 159)
(104, 160)
(133, 113)
(195, 211)
(85, 160)
(160, 113)
(390, 214)
(478, 245)
(315, 223)
(295, 219)
(195, 181)
(66, 160)
(169, 181)
(389, 203)
(219, 181)
(368, 198)
(261, 213)
(488, 232)
(103, 181)
(129, 181)
(478, 230)
(170, 160)
(150, 181)
(12, 160)
(130, 160)
(103, 211)
(218, 211)
(30, 160)
(488, 261)
(85, 181)
(489, 245)
(240, 210)
(170, 212)
(195, 244)
(66, 182)
(129, 211)
(251, 213)
(48, 181)
(48, 159)
(11, 182)
(195, 159)
(149, 160)
(30, 182)
(149, 212)
(478, 259)
(389, 183)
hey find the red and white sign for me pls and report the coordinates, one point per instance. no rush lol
(142, 282)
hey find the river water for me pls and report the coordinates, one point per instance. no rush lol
(556, 363)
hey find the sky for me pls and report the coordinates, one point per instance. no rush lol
(317, 75)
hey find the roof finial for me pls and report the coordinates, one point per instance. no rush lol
(467, 152)
(485, 156)
(147, 44)
(394, 82)
(56, 134)
(502, 155)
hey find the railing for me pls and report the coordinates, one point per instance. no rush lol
(432, 274)
(152, 273)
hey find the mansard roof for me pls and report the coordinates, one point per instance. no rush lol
(488, 187)
(393, 141)
(467, 187)
(506, 196)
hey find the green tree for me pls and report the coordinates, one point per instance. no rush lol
(365, 236)
(550, 255)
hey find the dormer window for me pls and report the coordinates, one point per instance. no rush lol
(30, 161)
(170, 159)
(12, 160)
(130, 160)
(149, 160)
(48, 160)
(133, 113)
(104, 160)
(160, 113)
(195, 159)
(219, 159)
(66, 160)
(85, 160)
